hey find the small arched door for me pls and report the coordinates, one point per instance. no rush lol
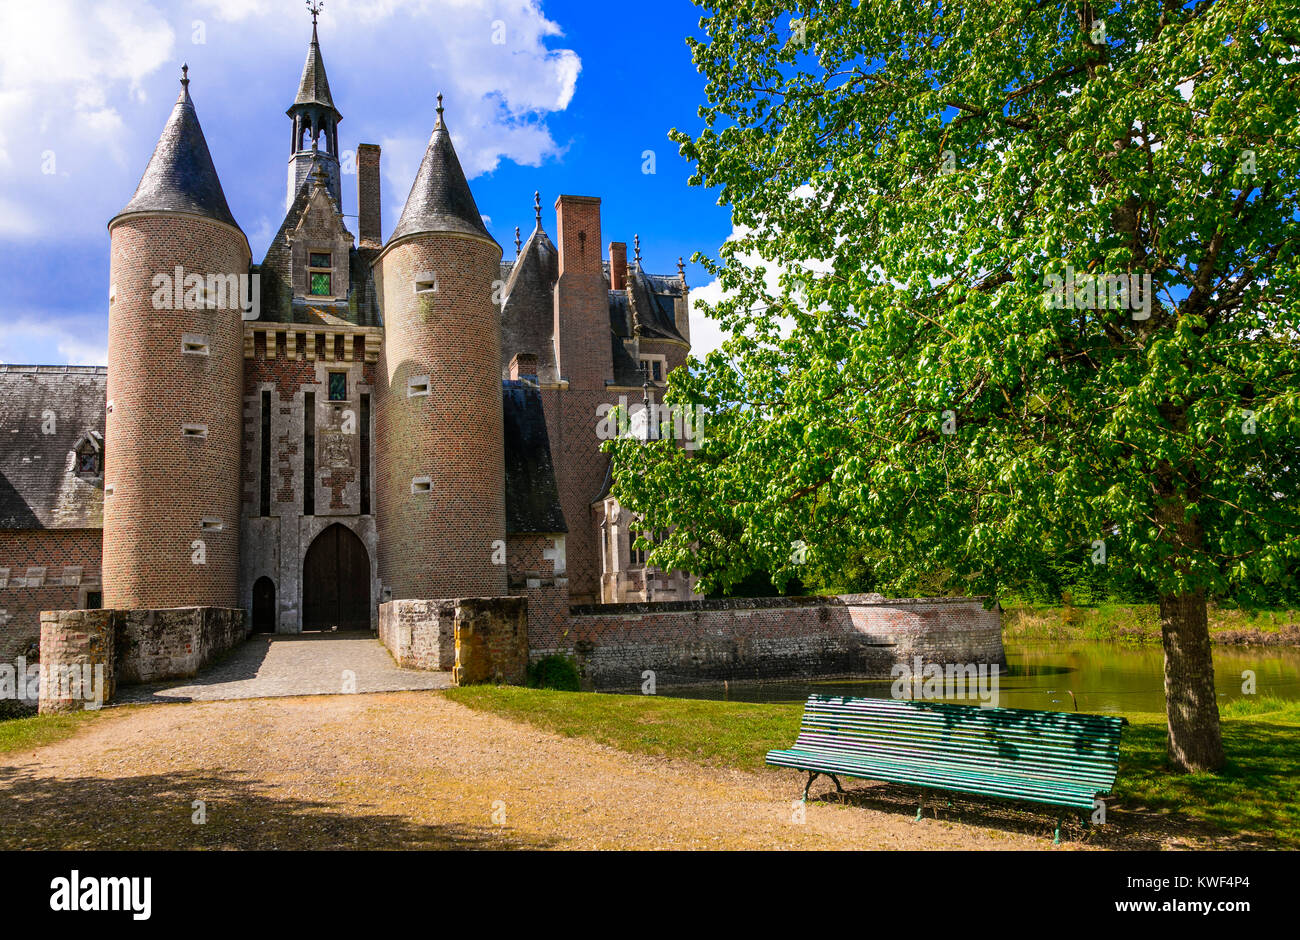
(336, 582)
(264, 605)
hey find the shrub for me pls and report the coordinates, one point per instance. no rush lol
(554, 672)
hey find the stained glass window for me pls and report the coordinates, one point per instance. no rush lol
(338, 386)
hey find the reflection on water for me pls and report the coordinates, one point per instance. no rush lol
(1103, 677)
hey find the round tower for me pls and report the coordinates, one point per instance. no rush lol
(179, 278)
(440, 461)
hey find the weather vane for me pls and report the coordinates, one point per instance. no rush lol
(315, 9)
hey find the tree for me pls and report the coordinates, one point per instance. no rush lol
(1010, 281)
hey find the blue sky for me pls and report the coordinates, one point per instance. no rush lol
(568, 103)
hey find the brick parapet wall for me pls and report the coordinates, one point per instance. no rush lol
(65, 564)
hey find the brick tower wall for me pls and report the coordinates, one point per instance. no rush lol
(440, 543)
(162, 483)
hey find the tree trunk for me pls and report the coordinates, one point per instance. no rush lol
(1195, 740)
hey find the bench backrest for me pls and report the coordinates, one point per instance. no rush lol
(1046, 745)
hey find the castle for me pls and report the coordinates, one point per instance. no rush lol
(346, 423)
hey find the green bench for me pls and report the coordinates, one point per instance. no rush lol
(1061, 759)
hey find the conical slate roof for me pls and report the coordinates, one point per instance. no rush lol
(180, 176)
(314, 87)
(440, 200)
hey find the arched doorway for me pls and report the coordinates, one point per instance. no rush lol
(336, 582)
(264, 605)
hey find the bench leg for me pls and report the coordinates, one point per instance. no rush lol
(920, 807)
(811, 777)
(1056, 838)
(837, 782)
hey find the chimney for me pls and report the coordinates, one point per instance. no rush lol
(582, 336)
(371, 234)
(523, 366)
(618, 265)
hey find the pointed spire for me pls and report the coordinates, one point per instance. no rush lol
(440, 199)
(314, 86)
(518, 242)
(180, 176)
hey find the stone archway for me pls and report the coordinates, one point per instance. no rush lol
(263, 605)
(336, 582)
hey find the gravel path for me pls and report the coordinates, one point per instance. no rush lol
(307, 664)
(410, 770)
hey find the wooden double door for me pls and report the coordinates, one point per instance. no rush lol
(336, 582)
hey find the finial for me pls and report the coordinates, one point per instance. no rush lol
(315, 9)
(636, 248)
(439, 107)
(185, 78)
(537, 207)
(517, 241)
(681, 268)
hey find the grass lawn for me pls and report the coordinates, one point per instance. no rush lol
(1139, 623)
(1255, 793)
(20, 734)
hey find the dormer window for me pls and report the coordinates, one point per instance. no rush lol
(319, 272)
(88, 455)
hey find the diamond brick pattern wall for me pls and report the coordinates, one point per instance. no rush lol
(68, 561)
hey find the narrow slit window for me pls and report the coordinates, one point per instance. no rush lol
(309, 454)
(426, 283)
(365, 455)
(421, 485)
(196, 432)
(211, 524)
(195, 345)
(264, 463)
(417, 385)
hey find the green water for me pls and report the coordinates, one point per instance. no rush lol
(1104, 677)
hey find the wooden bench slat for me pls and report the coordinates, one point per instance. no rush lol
(1063, 759)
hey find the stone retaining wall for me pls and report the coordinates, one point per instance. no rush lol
(685, 642)
(132, 646)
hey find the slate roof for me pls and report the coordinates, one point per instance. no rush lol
(532, 498)
(180, 176)
(440, 200)
(314, 87)
(652, 309)
(528, 312)
(38, 489)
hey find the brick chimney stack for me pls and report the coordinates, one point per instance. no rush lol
(618, 265)
(583, 355)
(371, 234)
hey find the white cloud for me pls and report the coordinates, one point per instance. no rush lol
(80, 339)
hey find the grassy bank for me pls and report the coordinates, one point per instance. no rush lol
(19, 734)
(1255, 793)
(1140, 623)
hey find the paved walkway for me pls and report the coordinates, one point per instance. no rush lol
(307, 664)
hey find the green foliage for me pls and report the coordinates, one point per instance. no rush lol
(904, 186)
(554, 672)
